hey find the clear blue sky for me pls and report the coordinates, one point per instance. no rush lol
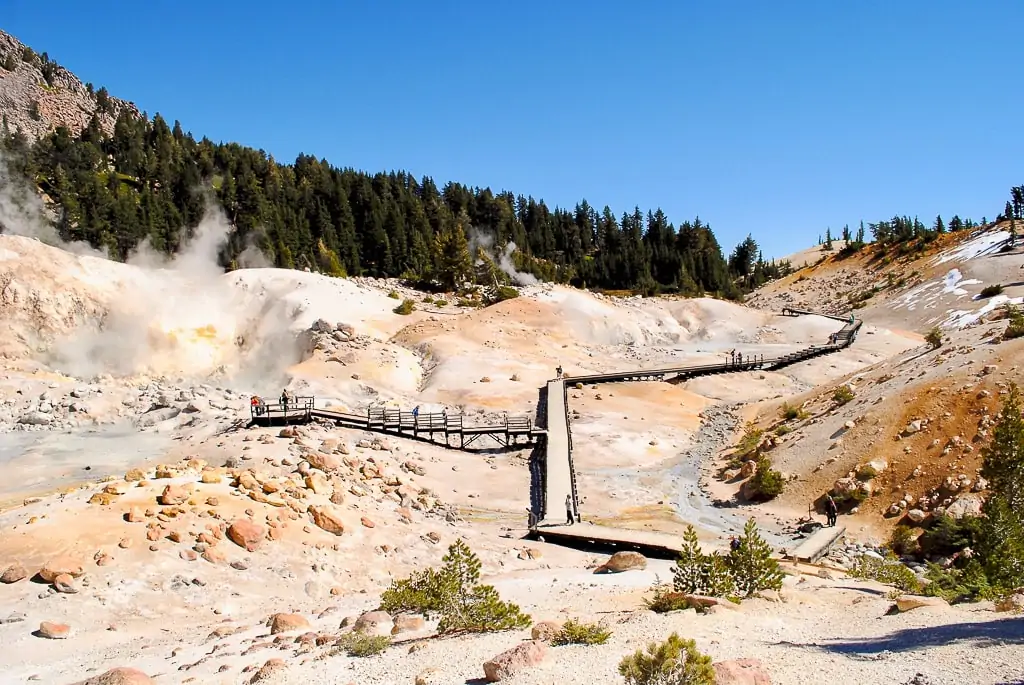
(773, 118)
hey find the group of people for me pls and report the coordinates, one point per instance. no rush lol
(259, 406)
(737, 357)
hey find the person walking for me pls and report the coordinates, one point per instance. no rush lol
(569, 518)
(284, 400)
(831, 511)
(734, 543)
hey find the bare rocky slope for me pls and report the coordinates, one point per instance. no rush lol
(37, 96)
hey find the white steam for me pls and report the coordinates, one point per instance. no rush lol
(483, 240)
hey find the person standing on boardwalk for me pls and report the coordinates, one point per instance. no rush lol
(831, 511)
(284, 400)
(569, 518)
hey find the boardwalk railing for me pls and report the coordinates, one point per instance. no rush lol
(296, 410)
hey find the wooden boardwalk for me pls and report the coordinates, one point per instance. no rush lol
(817, 544)
(557, 473)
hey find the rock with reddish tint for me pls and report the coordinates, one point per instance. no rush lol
(65, 583)
(741, 672)
(521, 657)
(545, 631)
(247, 534)
(374, 623)
(54, 631)
(324, 462)
(327, 518)
(214, 555)
(408, 624)
(623, 561)
(135, 515)
(62, 565)
(367, 522)
(173, 494)
(120, 676)
(14, 573)
(286, 623)
(272, 669)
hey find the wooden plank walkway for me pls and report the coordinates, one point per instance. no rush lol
(817, 544)
(558, 471)
(587, 535)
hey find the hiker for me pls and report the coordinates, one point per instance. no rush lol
(734, 543)
(558, 370)
(569, 519)
(831, 510)
(284, 400)
(531, 518)
(416, 411)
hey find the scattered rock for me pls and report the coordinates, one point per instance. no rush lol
(271, 669)
(173, 494)
(374, 623)
(65, 584)
(54, 631)
(120, 676)
(14, 573)
(623, 561)
(327, 518)
(430, 676)
(62, 565)
(910, 602)
(367, 522)
(286, 623)
(519, 658)
(741, 672)
(246, 533)
(408, 624)
(545, 631)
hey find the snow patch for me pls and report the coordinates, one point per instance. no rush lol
(960, 319)
(983, 244)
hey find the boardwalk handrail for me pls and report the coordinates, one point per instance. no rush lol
(296, 408)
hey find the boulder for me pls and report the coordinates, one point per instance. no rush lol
(408, 624)
(323, 461)
(286, 623)
(120, 676)
(14, 573)
(318, 483)
(65, 584)
(910, 602)
(173, 494)
(54, 631)
(741, 672)
(748, 469)
(271, 669)
(965, 505)
(327, 518)
(62, 565)
(916, 515)
(430, 676)
(375, 624)
(510, 662)
(623, 561)
(545, 631)
(246, 533)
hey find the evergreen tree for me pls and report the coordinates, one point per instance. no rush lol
(452, 263)
(1003, 466)
(828, 240)
(751, 563)
(697, 573)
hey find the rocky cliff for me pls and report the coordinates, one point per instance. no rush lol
(38, 95)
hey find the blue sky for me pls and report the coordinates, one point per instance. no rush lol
(771, 118)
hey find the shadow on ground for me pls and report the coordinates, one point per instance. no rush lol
(981, 634)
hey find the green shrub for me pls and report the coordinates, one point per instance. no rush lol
(747, 445)
(991, 291)
(696, 573)
(466, 302)
(886, 571)
(751, 564)
(783, 430)
(407, 307)
(842, 395)
(358, 644)
(501, 293)
(454, 593)
(788, 412)
(947, 535)
(439, 302)
(666, 600)
(866, 472)
(767, 483)
(903, 541)
(673, 662)
(934, 338)
(1015, 329)
(969, 584)
(394, 295)
(575, 633)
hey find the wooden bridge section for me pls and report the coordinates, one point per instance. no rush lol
(440, 428)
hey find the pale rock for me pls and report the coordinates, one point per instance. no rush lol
(374, 624)
(510, 662)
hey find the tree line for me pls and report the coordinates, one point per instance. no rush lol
(148, 180)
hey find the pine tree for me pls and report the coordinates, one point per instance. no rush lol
(1002, 550)
(696, 573)
(828, 240)
(452, 263)
(454, 593)
(752, 565)
(673, 662)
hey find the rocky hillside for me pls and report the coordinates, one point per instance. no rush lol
(37, 95)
